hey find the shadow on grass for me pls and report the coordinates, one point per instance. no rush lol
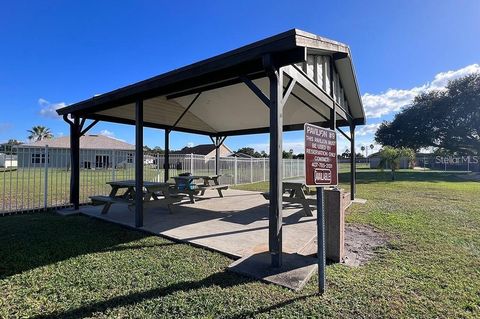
(34, 240)
(221, 279)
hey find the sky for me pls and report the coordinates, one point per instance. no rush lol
(55, 53)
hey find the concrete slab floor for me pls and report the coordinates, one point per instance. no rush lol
(295, 272)
(236, 225)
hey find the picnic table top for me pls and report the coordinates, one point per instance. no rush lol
(132, 183)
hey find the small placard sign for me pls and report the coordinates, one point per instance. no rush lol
(320, 156)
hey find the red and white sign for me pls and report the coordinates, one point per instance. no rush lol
(320, 156)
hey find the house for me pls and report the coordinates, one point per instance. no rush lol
(207, 150)
(8, 160)
(375, 159)
(96, 152)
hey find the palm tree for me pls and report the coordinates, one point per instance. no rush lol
(38, 133)
(372, 146)
(363, 148)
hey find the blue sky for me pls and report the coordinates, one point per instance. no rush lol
(56, 53)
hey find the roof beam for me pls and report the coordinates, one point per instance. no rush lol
(255, 90)
(185, 111)
(88, 127)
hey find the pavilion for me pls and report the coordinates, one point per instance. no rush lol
(270, 86)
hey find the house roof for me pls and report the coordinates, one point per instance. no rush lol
(86, 142)
(202, 149)
(211, 96)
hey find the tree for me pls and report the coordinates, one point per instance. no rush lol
(391, 156)
(9, 147)
(38, 133)
(446, 119)
(362, 148)
(247, 150)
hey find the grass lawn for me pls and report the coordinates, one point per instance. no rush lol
(76, 266)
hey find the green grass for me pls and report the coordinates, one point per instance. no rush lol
(77, 267)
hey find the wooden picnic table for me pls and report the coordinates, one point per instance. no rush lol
(150, 195)
(297, 193)
(208, 182)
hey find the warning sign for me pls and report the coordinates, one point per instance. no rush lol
(320, 156)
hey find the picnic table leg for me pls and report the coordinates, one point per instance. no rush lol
(306, 207)
(220, 192)
(192, 199)
(112, 194)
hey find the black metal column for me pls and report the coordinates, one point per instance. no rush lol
(139, 163)
(75, 162)
(217, 155)
(353, 166)
(276, 131)
(166, 165)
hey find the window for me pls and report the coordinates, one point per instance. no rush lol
(129, 158)
(39, 158)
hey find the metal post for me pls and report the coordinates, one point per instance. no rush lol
(166, 165)
(75, 162)
(251, 169)
(235, 180)
(113, 165)
(321, 240)
(353, 166)
(139, 163)
(158, 167)
(264, 169)
(191, 163)
(45, 186)
(275, 186)
(217, 155)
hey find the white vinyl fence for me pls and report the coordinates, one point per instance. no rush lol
(40, 178)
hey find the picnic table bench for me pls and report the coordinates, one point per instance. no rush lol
(296, 193)
(150, 196)
(207, 182)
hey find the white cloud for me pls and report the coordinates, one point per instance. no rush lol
(110, 134)
(107, 133)
(378, 105)
(190, 144)
(367, 129)
(49, 110)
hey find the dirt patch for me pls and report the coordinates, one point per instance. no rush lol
(361, 241)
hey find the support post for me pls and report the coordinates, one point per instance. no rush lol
(217, 155)
(275, 185)
(74, 161)
(45, 186)
(353, 165)
(321, 240)
(235, 180)
(139, 163)
(166, 164)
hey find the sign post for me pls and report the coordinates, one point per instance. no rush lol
(320, 171)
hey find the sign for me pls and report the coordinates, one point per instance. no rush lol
(320, 156)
